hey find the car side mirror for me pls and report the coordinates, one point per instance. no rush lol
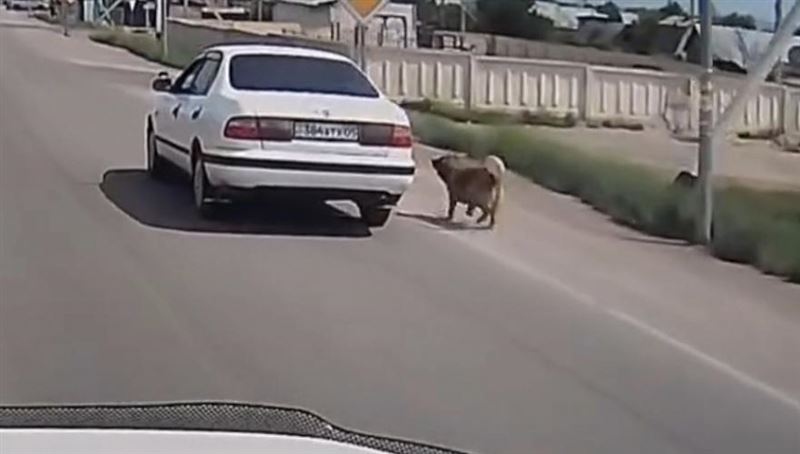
(162, 82)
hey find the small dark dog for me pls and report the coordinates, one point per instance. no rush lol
(476, 184)
(685, 180)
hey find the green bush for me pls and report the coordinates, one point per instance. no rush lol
(750, 226)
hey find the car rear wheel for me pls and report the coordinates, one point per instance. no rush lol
(156, 166)
(202, 189)
(375, 216)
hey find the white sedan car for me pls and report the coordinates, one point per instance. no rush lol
(279, 119)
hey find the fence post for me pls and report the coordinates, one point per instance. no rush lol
(469, 82)
(785, 114)
(588, 93)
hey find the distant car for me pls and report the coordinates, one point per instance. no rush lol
(26, 4)
(245, 118)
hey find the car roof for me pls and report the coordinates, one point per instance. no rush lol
(271, 49)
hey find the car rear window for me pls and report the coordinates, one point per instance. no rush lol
(298, 74)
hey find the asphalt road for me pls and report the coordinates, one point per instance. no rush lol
(558, 333)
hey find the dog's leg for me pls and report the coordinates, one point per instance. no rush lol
(498, 196)
(470, 210)
(484, 214)
(451, 209)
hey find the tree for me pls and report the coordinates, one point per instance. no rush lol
(672, 9)
(511, 18)
(611, 10)
(427, 10)
(642, 36)
(737, 20)
(450, 17)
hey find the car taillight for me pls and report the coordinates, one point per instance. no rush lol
(401, 136)
(271, 129)
(242, 128)
(385, 135)
(254, 128)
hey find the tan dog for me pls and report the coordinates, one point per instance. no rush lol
(474, 183)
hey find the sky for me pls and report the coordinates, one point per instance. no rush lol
(760, 9)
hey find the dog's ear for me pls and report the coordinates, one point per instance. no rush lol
(438, 161)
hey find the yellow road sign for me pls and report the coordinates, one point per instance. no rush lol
(363, 10)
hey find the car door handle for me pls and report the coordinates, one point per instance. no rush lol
(175, 110)
(196, 113)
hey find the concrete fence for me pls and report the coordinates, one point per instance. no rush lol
(592, 93)
(589, 92)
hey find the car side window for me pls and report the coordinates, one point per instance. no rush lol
(184, 82)
(205, 76)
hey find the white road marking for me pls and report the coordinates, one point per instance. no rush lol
(641, 326)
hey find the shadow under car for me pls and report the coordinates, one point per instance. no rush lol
(168, 205)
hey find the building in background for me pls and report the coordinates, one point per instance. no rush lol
(569, 17)
(394, 26)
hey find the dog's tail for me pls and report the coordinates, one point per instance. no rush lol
(497, 168)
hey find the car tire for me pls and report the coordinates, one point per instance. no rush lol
(202, 191)
(156, 164)
(375, 217)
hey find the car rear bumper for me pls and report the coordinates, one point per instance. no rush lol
(335, 179)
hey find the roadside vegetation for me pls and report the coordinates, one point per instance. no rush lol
(145, 45)
(752, 226)
(522, 117)
(489, 116)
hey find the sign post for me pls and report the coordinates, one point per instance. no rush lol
(362, 11)
(65, 7)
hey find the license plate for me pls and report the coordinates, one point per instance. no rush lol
(326, 131)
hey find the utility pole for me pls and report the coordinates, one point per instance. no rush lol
(361, 45)
(780, 43)
(161, 24)
(463, 17)
(463, 24)
(778, 17)
(705, 212)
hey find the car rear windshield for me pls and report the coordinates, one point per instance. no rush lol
(298, 74)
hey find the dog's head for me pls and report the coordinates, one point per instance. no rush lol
(442, 166)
